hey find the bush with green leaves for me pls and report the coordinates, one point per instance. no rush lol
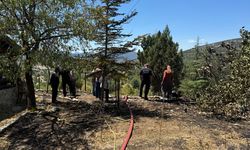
(191, 88)
(127, 89)
(79, 84)
(135, 83)
(230, 96)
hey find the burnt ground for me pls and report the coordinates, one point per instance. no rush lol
(87, 123)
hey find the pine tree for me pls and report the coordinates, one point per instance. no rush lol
(160, 50)
(109, 39)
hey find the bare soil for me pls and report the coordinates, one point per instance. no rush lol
(87, 123)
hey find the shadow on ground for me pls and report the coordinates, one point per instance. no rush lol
(65, 127)
(69, 124)
(137, 109)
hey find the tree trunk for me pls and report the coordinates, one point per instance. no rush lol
(118, 94)
(31, 89)
(116, 90)
(85, 82)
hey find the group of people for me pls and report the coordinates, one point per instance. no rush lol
(98, 83)
(166, 83)
(68, 78)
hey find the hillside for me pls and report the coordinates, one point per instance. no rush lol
(190, 53)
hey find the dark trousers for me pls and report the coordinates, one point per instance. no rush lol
(146, 89)
(167, 88)
(166, 92)
(54, 94)
(106, 91)
(97, 90)
(72, 89)
(64, 88)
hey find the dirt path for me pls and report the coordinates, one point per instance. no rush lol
(85, 124)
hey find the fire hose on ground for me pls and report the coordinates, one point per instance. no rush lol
(131, 126)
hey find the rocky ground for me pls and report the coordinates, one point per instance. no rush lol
(87, 123)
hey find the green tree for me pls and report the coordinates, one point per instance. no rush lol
(193, 80)
(10, 65)
(54, 58)
(31, 23)
(109, 39)
(230, 95)
(160, 50)
(207, 66)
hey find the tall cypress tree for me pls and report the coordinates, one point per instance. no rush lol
(108, 37)
(160, 50)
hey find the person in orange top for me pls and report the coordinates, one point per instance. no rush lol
(167, 82)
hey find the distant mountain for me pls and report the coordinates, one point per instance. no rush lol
(190, 53)
(77, 54)
(187, 54)
(127, 56)
(130, 56)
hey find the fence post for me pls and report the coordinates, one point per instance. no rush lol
(85, 83)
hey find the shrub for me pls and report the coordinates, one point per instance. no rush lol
(127, 89)
(230, 95)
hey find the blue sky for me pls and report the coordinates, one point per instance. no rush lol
(211, 20)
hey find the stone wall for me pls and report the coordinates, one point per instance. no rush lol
(8, 98)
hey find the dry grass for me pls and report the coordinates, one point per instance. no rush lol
(176, 129)
(90, 124)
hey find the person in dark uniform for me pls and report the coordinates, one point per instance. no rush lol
(167, 82)
(72, 85)
(65, 81)
(54, 82)
(145, 75)
(97, 87)
(105, 85)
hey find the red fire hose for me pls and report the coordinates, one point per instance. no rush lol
(130, 130)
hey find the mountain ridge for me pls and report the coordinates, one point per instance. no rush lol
(189, 54)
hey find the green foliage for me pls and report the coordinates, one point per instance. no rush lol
(230, 95)
(79, 83)
(209, 66)
(10, 65)
(41, 86)
(160, 50)
(191, 88)
(109, 38)
(35, 24)
(193, 82)
(135, 83)
(127, 89)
